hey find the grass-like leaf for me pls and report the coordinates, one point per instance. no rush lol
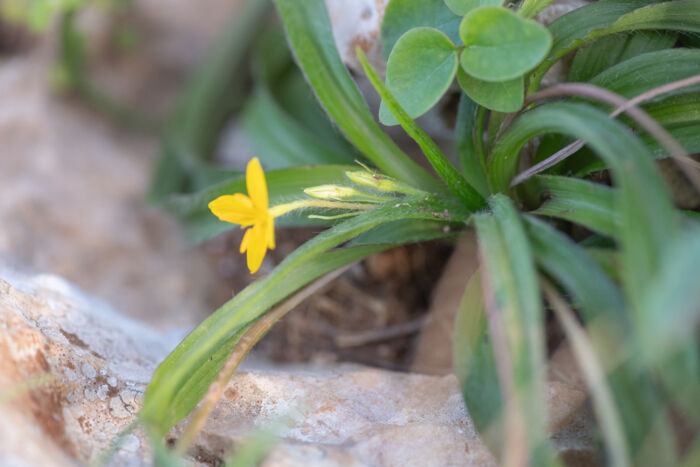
(309, 31)
(182, 379)
(601, 19)
(454, 180)
(609, 51)
(516, 321)
(585, 203)
(469, 137)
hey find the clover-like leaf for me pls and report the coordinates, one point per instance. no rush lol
(503, 96)
(403, 15)
(500, 45)
(462, 7)
(421, 67)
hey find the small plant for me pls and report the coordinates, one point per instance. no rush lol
(626, 292)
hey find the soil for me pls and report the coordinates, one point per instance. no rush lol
(371, 314)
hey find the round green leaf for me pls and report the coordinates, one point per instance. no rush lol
(420, 69)
(500, 45)
(403, 15)
(504, 96)
(462, 7)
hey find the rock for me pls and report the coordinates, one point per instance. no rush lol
(101, 361)
(73, 204)
(434, 350)
(358, 23)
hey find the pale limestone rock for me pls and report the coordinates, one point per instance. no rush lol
(102, 361)
(73, 204)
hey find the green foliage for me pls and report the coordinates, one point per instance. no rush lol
(512, 293)
(308, 29)
(502, 96)
(499, 45)
(462, 7)
(401, 16)
(36, 14)
(623, 281)
(455, 181)
(418, 50)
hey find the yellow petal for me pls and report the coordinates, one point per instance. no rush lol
(237, 209)
(257, 247)
(244, 242)
(257, 187)
(270, 232)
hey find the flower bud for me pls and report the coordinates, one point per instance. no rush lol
(332, 192)
(379, 182)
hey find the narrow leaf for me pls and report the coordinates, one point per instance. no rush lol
(472, 165)
(515, 315)
(457, 184)
(309, 30)
(586, 203)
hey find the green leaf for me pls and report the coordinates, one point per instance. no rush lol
(503, 96)
(585, 203)
(462, 7)
(401, 16)
(601, 19)
(418, 50)
(411, 231)
(609, 51)
(455, 181)
(284, 185)
(510, 283)
(182, 379)
(472, 165)
(651, 70)
(281, 141)
(669, 305)
(605, 313)
(680, 110)
(585, 161)
(475, 365)
(310, 36)
(643, 205)
(571, 266)
(500, 45)
(591, 369)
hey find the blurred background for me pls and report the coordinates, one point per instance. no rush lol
(112, 109)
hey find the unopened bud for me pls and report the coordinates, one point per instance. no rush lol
(379, 182)
(331, 192)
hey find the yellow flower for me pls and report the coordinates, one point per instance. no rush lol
(251, 210)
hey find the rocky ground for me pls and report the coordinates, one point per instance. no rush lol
(96, 288)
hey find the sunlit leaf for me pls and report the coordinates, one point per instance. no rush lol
(500, 45)
(401, 16)
(418, 50)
